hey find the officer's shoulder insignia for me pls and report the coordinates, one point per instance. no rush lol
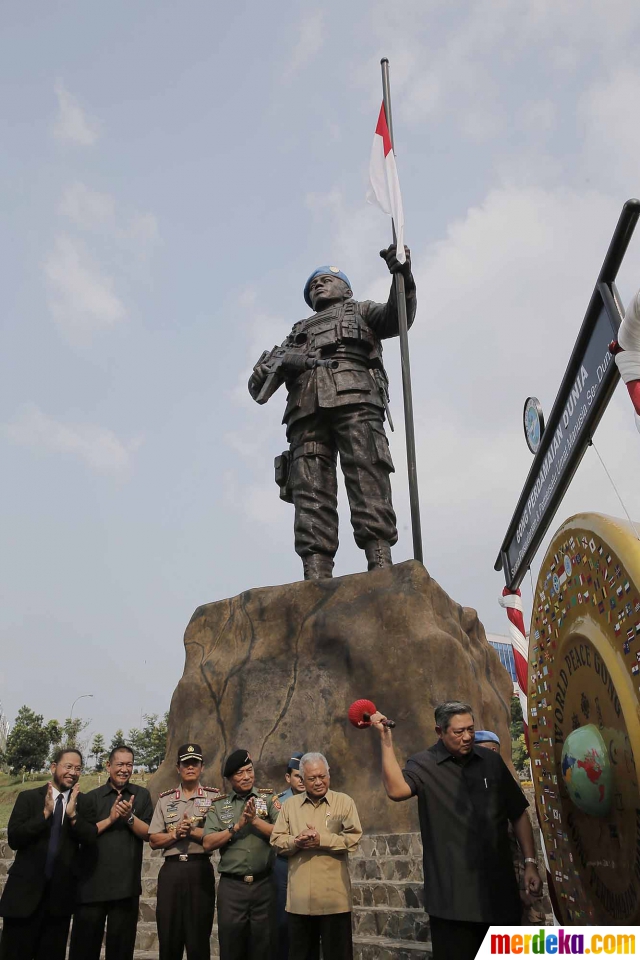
(276, 802)
(167, 793)
(212, 790)
(281, 795)
(264, 790)
(221, 796)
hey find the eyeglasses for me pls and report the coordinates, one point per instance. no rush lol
(69, 768)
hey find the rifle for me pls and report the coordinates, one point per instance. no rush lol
(282, 363)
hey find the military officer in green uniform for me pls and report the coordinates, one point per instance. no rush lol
(186, 884)
(239, 825)
(332, 366)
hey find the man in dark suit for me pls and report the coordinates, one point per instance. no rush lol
(45, 831)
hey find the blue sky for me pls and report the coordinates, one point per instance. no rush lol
(170, 175)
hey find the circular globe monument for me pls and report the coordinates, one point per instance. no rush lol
(584, 719)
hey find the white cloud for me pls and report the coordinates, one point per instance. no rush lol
(539, 116)
(311, 36)
(607, 111)
(357, 233)
(96, 446)
(143, 229)
(72, 124)
(81, 297)
(85, 207)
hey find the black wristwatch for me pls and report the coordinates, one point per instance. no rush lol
(130, 820)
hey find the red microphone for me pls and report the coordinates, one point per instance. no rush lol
(360, 713)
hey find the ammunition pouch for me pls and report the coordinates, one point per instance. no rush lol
(282, 465)
(314, 449)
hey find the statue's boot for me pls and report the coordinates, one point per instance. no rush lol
(317, 566)
(378, 553)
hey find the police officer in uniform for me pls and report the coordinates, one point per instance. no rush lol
(239, 825)
(186, 885)
(295, 785)
(338, 407)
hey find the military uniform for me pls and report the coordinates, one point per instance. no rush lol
(186, 884)
(341, 410)
(281, 873)
(246, 891)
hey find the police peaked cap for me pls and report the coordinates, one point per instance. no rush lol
(235, 760)
(486, 736)
(190, 751)
(294, 762)
(325, 271)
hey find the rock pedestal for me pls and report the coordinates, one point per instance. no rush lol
(274, 670)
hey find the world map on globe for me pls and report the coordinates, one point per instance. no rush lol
(586, 771)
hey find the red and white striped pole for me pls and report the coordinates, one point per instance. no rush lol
(511, 601)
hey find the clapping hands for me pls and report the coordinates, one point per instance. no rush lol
(308, 839)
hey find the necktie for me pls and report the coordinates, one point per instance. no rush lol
(54, 838)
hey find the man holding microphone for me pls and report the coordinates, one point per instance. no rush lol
(466, 797)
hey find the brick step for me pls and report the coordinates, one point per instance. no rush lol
(391, 893)
(385, 868)
(401, 894)
(392, 923)
(374, 867)
(391, 845)
(364, 948)
(381, 948)
(366, 893)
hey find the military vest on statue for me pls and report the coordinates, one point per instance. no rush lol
(339, 333)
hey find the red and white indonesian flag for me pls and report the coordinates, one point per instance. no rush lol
(385, 186)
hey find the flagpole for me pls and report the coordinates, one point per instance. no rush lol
(412, 470)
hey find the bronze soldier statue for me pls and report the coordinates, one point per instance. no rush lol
(332, 366)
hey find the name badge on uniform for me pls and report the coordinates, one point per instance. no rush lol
(261, 807)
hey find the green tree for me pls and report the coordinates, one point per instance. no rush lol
(519, 753)
(55, 732)
(517, 721)
(150, 743)
(97, 750)
(71, 730)
(135, 740)
(117, 740)
(29, 741)
(155, 734)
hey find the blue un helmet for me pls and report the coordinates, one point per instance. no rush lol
(322, 271)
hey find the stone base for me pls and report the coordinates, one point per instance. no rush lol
(274, 670)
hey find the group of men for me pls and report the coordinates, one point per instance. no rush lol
(284, 886)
